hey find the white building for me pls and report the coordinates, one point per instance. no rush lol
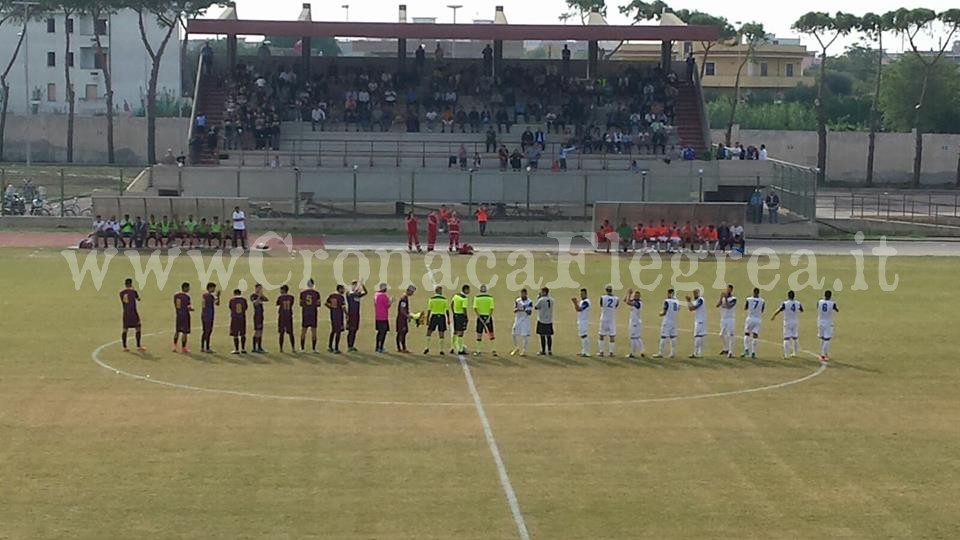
(130, 61)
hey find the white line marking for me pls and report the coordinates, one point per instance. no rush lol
(95, 356)
(495, 451)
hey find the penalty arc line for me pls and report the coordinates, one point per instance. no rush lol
(495, 451)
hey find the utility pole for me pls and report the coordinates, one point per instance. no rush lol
(26, 71)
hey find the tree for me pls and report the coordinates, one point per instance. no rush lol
(825, 29)
(68, 9)
(168, 14)
(873, 26)
(638, 11)
(728, 34)
(752, 35)
(902, 85)
(99, 10)
(582, 8)
(10, 14)
(909, 23)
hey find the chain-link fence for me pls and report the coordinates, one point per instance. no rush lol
(44, 190)
(796, 185)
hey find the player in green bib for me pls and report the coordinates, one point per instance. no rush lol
(439, 317)
(203, 232)
(483, 306)
(188, 231)
(216, 232)
(153, 231)
(459, 305)
(166, 230)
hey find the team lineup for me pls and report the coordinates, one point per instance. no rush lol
(344, 309)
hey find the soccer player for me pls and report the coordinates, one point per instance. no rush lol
(483, 306)
(209, 301)
(522, 309)
(188, 231)
(663, 236)
(751, 327)
(544, 307)
(309, 304)
(582, 307)
(216, 233)
(413, 238)
(381, 316)
(791, 333)
(458, 305)
(182, 308)
(453, 230)
(166, 231)
(258, 299)
(728, 319)
(131, 318)
(668, 327)
(439, 317)
(153, 232)
(650, 244)
(336, 303)
(238, 322)
(826, 307)
(698, 307)
(285, 316)
(608, 320)
(403, 318)
(433, 224)
(635, 303)
(356, 292)
(203, 233)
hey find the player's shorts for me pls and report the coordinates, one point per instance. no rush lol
(790, 330)
(207, 325)
(131, 320)
(582, 328)
(353, 322)
(521, 328)
(544, 329)
(485, 324)
(438, 323)
(668, 330)
(285, 325)
(662, 238)
(382, 326)
(258, 322)
(636, 330)
(183, 324)
(403, 326)
(825, 331)
(699, 328)
(460, 322)
(751, 326)
(726, 327)
(336, 325)
(308, 320)
(238, 327)
(608, 328)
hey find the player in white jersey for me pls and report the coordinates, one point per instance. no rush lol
(582, 306)
(635, 303)
(826, 307)
(791, 333)
(522, 309)
(608, 321)
(668, 328)
(728, 319)
(751, 327)
(699, 309)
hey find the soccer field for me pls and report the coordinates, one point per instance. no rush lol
(97, 443)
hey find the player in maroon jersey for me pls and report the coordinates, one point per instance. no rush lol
(182, 307)
(336, 303)
(131, 318)
(211, 299)
(403, 318)
(309, 303)
(285, 316)
(238, 322)
(258, 299)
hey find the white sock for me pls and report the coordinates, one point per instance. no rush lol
(698, 345)
(633, 345)
(825, 347)
(673, 346)
(600, 346)
(584, 345)
(746, 344)
(786, 347)
(610, 347)
(753, 346)
(526, 342)
(663, 344)
(796, 346)
(516, 342)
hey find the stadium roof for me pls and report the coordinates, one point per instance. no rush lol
(504, 32)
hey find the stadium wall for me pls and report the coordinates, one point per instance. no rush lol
(847, 153)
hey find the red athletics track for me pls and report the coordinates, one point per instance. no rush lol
(66, 239)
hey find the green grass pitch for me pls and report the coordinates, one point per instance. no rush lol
(391, 446)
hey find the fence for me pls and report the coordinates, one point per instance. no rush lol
(940, 208)
(58, 191)
(797, 187)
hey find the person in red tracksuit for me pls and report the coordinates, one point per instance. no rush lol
(412, 235)
(433, 224)
(453, 228)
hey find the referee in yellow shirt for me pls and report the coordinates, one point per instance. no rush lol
(439, 317)
(459, 305)
(483, 306)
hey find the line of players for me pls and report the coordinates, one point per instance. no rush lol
(344, 310)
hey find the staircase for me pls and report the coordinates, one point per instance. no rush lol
(688, 118)
(210, 99)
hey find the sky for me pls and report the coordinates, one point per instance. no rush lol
(776, 20)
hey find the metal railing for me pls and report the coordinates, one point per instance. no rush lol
(938, 208)
(196, 99)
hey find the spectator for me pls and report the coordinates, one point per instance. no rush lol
(318, 117)
(431, 117)
(756, 207)
(565, 55)
(487, 60)
(503, 121)
(565, 152)
(446, 120)
(474, 119)
(169, 158)
(516, 160)
(482, 217)
(462, 157)
(763, 153)
(691, 67)
(773, 206)
(461, 119)
(421, 57)
(201, 123)
(476, 161)
(533, 156)
(438, 52)
(207, 54)
(491, 139)
(526, 139)
(503, 154)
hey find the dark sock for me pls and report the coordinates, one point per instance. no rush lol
(138, 338)
(123, 338)
(314, 341)
(281, 342)
(243, 342)
(291, 342)
(549, 343)
(336, 342)
(236, 344)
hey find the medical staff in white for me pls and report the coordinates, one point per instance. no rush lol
(751, 327)
(635, 303)
(728, 320)
(826, 307)
(668, 328)
(582, 307)
(790, 308)
(608, 321)
(699, 309)
(522, 309)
